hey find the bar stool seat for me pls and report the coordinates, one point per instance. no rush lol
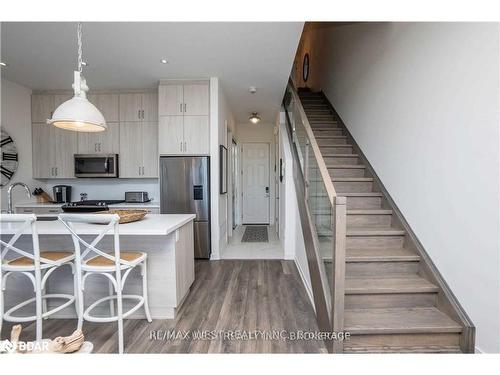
(57, 256)
(133, 257)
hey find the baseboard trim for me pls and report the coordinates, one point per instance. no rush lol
(304, 281)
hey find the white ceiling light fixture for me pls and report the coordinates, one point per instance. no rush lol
(164, 61)
(252, 89)
(78, 114)
(2, 63)
(254, 118)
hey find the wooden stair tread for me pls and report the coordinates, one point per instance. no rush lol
(331, 137)
(352, 179)
(367, 194)
(399, 320)
(347, 166)
(402, 349)
(372, 211)
(369, 255)
(375, 231)
(388, 285)
(340, 156)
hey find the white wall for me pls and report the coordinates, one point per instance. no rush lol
(16, 120)
(421, 100)
(260, 133)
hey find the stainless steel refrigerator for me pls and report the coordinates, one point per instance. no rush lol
(185, 189)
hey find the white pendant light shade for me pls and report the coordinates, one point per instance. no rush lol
(78, 114)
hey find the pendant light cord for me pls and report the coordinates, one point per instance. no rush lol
(79, 37)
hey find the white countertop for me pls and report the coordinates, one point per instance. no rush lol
(156, 225)
(118, 205)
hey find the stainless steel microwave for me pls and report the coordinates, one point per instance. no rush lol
(96, 165)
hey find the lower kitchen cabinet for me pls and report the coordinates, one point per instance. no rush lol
(138, 150)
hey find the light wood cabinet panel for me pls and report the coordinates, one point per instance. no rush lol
(43, 150)
(196, 135)
(170, 100)
(130, 158)
(65, 145)
(42, 107)
(106, 142)
(171, 135)
(150, 106)
(149, 149)
(196, 99)
(130, 107)
(108, 104)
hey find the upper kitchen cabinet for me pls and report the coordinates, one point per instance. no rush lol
(44, 105)
(108, 104)
(183, 99)
(136, 107)
(196, 100)
(138, 150)
(106, 142)
(184, 118)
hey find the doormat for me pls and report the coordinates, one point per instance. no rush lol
(255, 233)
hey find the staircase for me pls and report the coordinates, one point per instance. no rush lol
(390, 305)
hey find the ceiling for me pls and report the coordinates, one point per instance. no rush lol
(127, 55)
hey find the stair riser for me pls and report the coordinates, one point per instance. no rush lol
(353, 186)
(380, 301)
(418, 343)
(324, 125)
(336, 149)
(346, 172)
(379, 221)
(374, 242)
(331, 141)
(327, 133)
(335, 160)
(364, 269)
(363, 202)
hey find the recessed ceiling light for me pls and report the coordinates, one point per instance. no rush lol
(252, 89)
(164, 61)
(2, 63)
(254, 118)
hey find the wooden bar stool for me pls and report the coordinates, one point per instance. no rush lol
(115, 266)
(36, 266)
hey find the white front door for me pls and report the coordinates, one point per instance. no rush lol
(256, 184)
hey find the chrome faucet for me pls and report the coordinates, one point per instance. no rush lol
(9, 195)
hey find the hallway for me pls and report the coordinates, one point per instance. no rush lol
(236, 249)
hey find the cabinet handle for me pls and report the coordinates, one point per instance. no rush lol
(181, 146)
(185, 147)
(143, 171)
(180, 107)
(139, 114)
(139, 171)
(56, 171)
(99, 146)
(95, 147)
(52, 171)
(143, 114)
(184, 107)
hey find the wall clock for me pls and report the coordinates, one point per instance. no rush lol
(9, 158)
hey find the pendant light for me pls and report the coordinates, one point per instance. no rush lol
(254, 118)
(78, 114)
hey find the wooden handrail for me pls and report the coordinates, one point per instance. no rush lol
(330, 190)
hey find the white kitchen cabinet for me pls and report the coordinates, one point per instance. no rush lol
(108, 105)
(53, 151)
(138, 107)
(106, 142)
(171, 135)
(196, 99)
(196, 135)
(149, 149)
(42, 107)
(184, 118)
(171, 100)
(138, 150)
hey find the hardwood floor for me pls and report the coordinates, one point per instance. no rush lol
(230, 296)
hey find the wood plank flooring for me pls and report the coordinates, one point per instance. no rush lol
(231, 296)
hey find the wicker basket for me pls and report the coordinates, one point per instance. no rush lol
(126, 216)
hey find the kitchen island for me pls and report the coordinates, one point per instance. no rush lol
(167, 239)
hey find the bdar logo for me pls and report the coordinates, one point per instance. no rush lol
(7, 347)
